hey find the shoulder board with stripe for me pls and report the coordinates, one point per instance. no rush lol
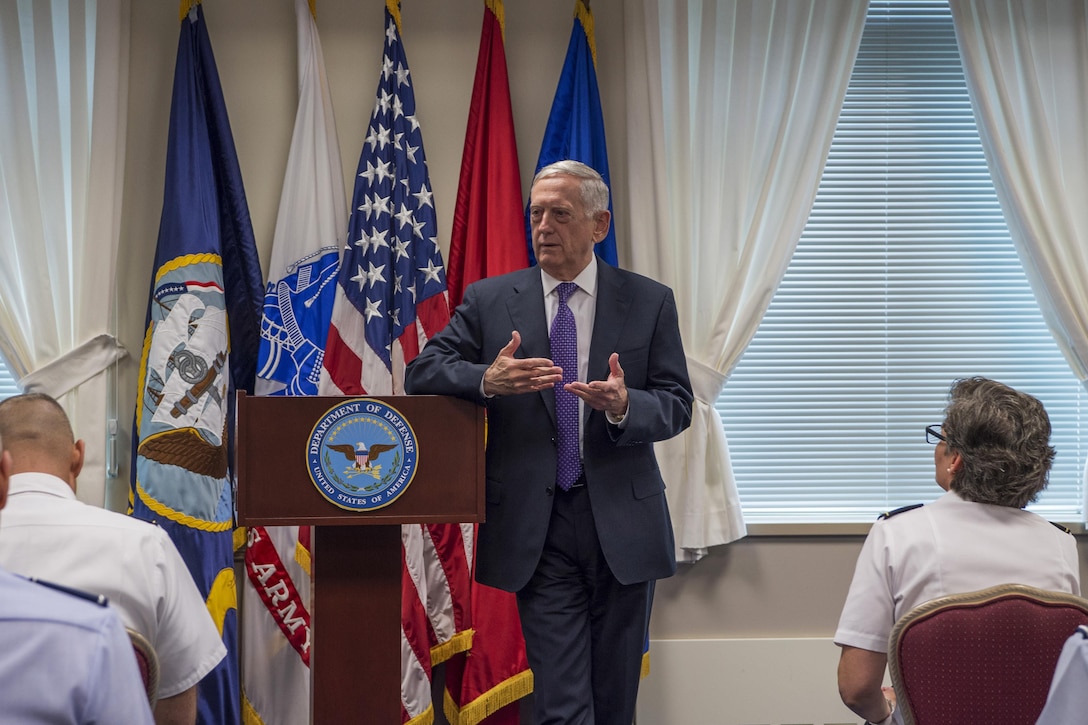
(901, 509)
(99, 599)
(1061, 528)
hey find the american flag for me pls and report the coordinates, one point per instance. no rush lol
(391, 294)
(390, 299)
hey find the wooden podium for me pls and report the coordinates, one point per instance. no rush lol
(355, 645)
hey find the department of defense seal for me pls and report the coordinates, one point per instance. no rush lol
(362, 454)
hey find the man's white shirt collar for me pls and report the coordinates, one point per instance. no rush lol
(42, 483)
(586, 279)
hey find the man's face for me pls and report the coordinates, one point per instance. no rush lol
(563, 236)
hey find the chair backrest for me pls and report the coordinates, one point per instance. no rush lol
(148, 662)
(981, 657)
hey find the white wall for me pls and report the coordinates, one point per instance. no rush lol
(758, 587)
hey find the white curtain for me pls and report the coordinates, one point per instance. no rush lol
(731, 110)
(63, 85)
(1027, 73)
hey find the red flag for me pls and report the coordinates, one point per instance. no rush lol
(488, 239)
(489, 201)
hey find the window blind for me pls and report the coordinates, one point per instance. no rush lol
(905, 279)
(8, 387)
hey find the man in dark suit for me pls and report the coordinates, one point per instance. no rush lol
(580, 530)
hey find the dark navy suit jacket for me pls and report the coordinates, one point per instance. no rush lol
(635, 317)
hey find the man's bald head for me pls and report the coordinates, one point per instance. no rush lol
(35, 430)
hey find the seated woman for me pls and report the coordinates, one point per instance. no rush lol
(993, 457)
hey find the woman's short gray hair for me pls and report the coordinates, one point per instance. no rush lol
(1003, 438)
(594, 190)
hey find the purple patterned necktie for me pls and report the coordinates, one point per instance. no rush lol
(564, 338)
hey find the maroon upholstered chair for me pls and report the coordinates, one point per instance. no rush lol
(981, 657)
(148, 662)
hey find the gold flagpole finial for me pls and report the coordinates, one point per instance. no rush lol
(495, 6)
(393, 6)
(184, 6)
(585, 15)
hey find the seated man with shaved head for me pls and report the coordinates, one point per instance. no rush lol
(49, 534)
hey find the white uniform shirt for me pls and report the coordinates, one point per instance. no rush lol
(1067, 701)
(45, 532)
(950, 546)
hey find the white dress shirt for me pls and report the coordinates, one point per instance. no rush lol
(46, 532)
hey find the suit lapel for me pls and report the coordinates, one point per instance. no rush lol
(526, 308)
(613, 303)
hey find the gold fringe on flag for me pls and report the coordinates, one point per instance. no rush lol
(505, 693)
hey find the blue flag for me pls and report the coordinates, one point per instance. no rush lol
(200, 344)
(575, 127)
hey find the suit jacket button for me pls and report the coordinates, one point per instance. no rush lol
(549, 490)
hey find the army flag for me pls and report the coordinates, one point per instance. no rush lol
(310, 231)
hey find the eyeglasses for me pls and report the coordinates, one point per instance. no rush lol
(933, 434)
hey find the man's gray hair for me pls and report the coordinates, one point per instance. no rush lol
(594, 190)
(1003, 438)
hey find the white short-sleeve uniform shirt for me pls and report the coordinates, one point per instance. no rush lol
(947, 547)
(46, 532)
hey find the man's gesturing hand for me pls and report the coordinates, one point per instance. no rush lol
(607, 395)
(509, 375)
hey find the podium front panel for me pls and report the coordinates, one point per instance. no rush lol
(274, 483)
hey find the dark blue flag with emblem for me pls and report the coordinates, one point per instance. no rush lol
(575, 127)
(200, 344)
